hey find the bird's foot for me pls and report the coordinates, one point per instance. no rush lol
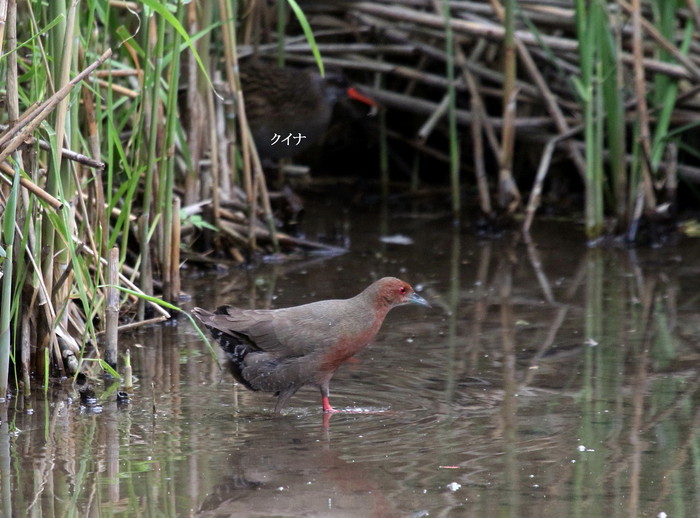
(327, 408)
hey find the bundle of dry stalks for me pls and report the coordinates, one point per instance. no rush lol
(402, 45)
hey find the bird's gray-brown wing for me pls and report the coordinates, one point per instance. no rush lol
(297, 331)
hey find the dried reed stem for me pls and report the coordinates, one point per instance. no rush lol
(112, 309)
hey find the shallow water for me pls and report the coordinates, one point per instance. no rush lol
(546, 380)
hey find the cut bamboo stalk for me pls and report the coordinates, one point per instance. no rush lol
(128, 377)
(26, 355)
(112, 309)
(145, 267)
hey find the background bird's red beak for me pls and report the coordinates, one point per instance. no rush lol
(354, 93)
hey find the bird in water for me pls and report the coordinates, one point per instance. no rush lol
(281, 350)
(292, 104)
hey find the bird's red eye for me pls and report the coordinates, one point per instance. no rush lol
(402, 289)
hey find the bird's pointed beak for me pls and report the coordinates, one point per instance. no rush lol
(414, 298)
(354, 93)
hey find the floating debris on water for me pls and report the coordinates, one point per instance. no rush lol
(396, 239)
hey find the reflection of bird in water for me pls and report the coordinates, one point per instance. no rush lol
(292, 104)
(279, 469)
(227, 491)
(281, 350)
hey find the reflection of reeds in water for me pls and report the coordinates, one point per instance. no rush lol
(610, 364)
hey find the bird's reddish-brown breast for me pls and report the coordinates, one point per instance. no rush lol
(347, 347)
(364, 321)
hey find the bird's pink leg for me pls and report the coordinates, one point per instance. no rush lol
(325, 392)
(327, 408)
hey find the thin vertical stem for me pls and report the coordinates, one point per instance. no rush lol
(8, 234)
(509, 101)
(146, 262)
(642, 108)
(112, 309)
(281, 23)
(383, 155)
(167, 173)
(479, 167)
(7, 231)
(228, 11)
(128, 378)
(452, 112)
(175, 252)
(3, 18)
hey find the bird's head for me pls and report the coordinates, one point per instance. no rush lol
(395, 292)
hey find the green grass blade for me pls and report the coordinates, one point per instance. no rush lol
(301, 17)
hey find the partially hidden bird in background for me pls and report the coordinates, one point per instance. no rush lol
(291, 103)
(281, 350)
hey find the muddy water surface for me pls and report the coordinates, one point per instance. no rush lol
(546, 380)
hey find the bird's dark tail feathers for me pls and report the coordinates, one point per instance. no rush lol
(236, 346)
